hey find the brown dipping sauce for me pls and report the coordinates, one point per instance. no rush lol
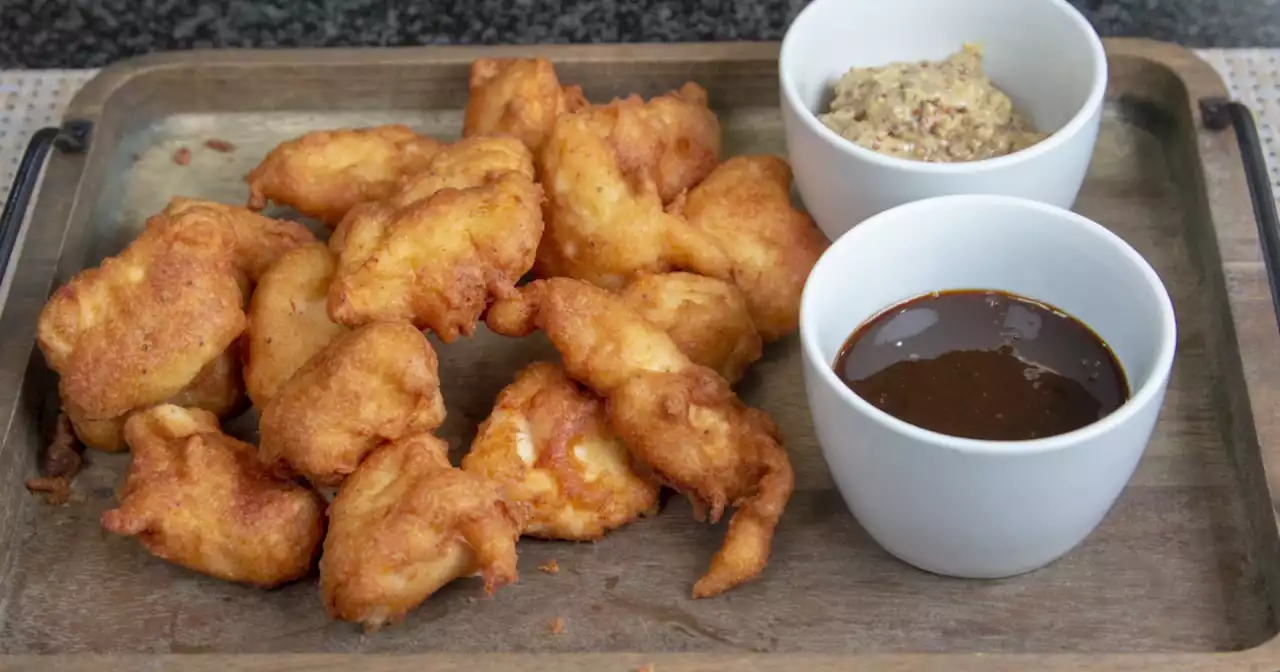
(983, 365)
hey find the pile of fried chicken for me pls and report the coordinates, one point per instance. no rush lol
(658, 272)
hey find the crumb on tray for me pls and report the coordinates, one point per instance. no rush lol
(57, 489)
(219, 145)
(557, 625)
(182, 157)
(63, 457)
(61, 463)
(550, 567)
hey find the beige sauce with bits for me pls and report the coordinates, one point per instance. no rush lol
(938, 111)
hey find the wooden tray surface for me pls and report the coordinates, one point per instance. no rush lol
(1180, 575)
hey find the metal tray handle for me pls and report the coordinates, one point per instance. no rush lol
(72, 137)
(1218, 114)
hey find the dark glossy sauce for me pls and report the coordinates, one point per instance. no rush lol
(983, 365)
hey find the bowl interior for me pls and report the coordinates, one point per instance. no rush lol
(1042, 53)
(997, 243)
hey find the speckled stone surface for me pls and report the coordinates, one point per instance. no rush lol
(88, 33)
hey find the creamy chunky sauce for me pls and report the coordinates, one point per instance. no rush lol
(938, 111)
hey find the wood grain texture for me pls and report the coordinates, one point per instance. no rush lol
(1181, 575)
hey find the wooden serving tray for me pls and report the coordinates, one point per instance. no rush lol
(1180, 576)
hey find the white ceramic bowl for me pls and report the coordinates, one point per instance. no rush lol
(965, 507)
(1042, 53)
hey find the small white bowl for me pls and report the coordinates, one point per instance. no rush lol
(965, 507)
(1042, 53)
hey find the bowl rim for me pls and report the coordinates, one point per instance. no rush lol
(1145, 392)
(1056, 139)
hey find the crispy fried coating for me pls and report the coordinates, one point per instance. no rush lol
(679, 418)
(323, 174)
(745, 205)
(218, 389)
(467, 163)
(374, 384)
(549, 444)
(519, 97)
(259, 241)
(104, 435)
(602, 226)
(201, 499)
(405, 524)
(601, 340)
(693, 430)
(706, 317)
(137, 329)
(438, 262)
(671, 141)
(288, 319)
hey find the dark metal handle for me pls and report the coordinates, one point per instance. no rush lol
(72, 138)
(1219, 113)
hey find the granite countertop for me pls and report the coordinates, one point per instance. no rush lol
(90, 33)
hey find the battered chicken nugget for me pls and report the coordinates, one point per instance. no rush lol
(437, 262)
(468, 163)
(405, 524)
(260, 241)
(218, 389)
(707, 318)
(548, 443)
(374, 384)
(679, 418)
(201, 499)
(671, 141)
(745, 204)
(324, 174)
(520, 97)
(138, 329)
(694, 431)
(603, 227)
(288, 320)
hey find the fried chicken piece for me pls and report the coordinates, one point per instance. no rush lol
(218, 388)
(690, 427)
(137, 329)
(548, 443)
(745, 204)
(104, 435)
(201, 499)
(439, 261)
(671, 141)
(602, 226)
(259, 241)
(323, 174)
(679, 418)
(405, 524)
(288, 319)
(466, 164)
(707, 318)
(374, 384)
(519, 97)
